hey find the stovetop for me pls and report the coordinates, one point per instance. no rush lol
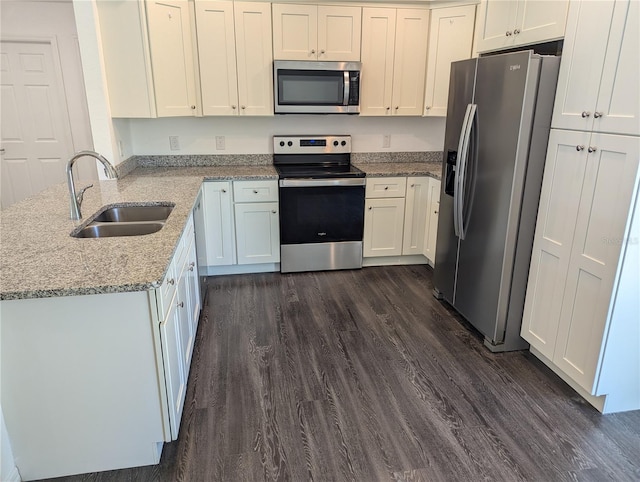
(314, 157)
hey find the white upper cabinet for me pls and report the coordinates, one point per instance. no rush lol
(316, 32)
(598, 80)
(125, 48)
(394, 53)
(450, 39)
(234, 51)
(254, 57)
(506, 24)
(217, 57)
(172, 60)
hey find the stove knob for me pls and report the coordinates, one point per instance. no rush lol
(289, 143)
(344, 143)
(335, 143)
(281, 143)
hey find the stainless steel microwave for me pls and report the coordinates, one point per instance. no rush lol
(302, 87)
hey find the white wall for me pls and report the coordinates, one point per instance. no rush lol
(252, 135)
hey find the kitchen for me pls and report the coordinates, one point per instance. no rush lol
(145, 137)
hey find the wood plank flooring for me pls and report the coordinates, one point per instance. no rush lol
(363, 376)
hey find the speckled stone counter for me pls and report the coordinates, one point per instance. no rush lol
(39, 259)
(382, 169)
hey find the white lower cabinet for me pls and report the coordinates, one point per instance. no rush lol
(397, 219)
(239, 226)
(582, 242)
(431, 224)
(97, 382)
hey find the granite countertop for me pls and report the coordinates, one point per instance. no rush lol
(38, 258)
(381, 169)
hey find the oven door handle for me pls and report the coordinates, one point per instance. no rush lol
(358, 181)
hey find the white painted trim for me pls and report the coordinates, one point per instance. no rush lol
(239, 269)
(394, 260)
(597, 402)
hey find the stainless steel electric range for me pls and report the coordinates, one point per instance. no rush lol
(321, 203)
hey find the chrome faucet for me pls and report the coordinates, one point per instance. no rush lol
(76, 199)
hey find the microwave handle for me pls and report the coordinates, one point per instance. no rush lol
(347, 87)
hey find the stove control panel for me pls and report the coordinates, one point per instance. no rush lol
(311, 144)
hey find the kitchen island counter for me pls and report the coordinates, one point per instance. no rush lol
(39, 258)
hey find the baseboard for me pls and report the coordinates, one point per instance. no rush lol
(395, 260)
(13, 476)
(239, 269)
(597, 402)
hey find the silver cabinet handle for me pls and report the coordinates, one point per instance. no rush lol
(413, 185)
(397, 107)
(191, 266)
(322, 52)
(223, 191)
(274, 211)
(370, 208)
(579, 148)
(255, 191)
(427, 107)
(435, 212)
(597, 115)
(516, 32)
(193, 107)
(585, 114)
(313, 51)
(508, 33)
(181, 304)
(388, 108)
(243, 107)
(171, 281)
(386, 188)
(592, 149)
(2, 150)
(233, 107)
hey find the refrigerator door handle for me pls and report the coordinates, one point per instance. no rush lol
(471, 129)
(463, 156)
(457, 194)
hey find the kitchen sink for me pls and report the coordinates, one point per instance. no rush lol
(111, 229)
(130, 214)
(125, 220)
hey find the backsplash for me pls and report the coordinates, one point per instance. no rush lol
(133, 162)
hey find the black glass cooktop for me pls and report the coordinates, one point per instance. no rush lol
(311, 171)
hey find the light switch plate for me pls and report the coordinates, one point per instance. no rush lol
(220, 143)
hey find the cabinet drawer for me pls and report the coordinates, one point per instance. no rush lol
(255, 191)
(167, 290)
(380, 187)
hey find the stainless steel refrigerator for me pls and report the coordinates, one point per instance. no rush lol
(498, 121)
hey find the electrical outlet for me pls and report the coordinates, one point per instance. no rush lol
(220, 143)
(174, 143)
(386, 141)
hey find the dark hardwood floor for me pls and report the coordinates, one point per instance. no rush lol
(364, 376)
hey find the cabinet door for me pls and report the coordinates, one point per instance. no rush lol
(295, 32)
(431, 227)
(172, 60)
(217, 56)
(496, 22)
(218, 224)
(412, 31)
(562, 183)
(378, 43)
(540, 21)
(257, 233)
(450, 39)
(254, 57)
(618, 104)
(585, 46)
(174, 370)
(184, 320)
(415, 215)
(605, 200)
(193, 289)
(339, 32)
(383, 223)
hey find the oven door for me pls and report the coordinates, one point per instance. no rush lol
(321, 210)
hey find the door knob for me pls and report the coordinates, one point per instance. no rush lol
(585, 114)
(597, 115)
(592, 149)
(579, 148)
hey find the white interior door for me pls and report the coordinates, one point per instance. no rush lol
(35, 129)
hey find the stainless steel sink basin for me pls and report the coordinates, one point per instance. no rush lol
(125, 220)
(130, 214)
(106, 230)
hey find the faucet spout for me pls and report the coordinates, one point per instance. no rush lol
(76, 199)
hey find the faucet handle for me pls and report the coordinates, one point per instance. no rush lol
(80, 195)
